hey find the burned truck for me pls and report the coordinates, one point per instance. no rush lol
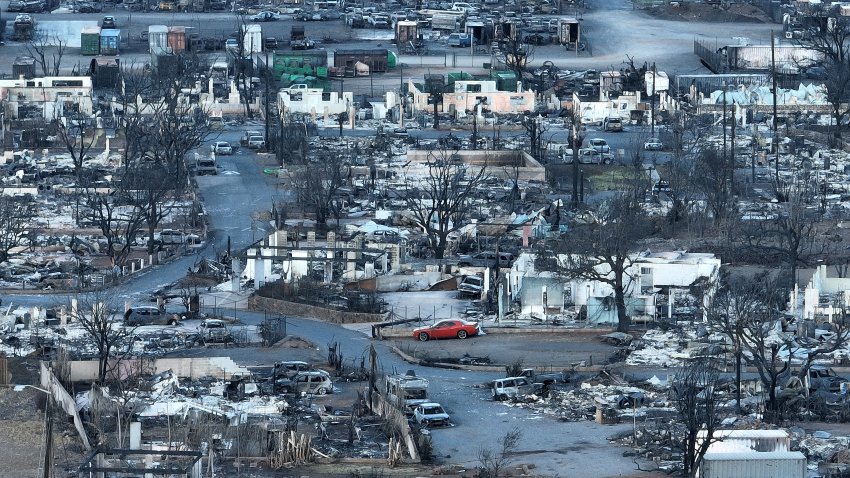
(24, 28)
(408, 391)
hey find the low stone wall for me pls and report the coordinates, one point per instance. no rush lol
(285, 307)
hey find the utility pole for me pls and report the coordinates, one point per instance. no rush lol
(475, 129)
(775, 142)
(723, 123)
(575, 141)
(652, 103)
(732, 149)
(753, 156)
(437, 101)
(403, 105)
(268, 78)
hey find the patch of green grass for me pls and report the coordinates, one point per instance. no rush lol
(609, 179)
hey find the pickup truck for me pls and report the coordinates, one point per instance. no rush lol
(547, 378)
(205, 166)
(243, 141)
(471, 286)
(824, 378)
(486, 259)
(257, 142)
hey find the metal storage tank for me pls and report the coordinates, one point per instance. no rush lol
(90, 41)
(158, 39)
(109, 41)
(176, 39)
(24, 66)
(753, 464)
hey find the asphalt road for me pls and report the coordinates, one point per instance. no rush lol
(612, 28)
(241, 189)
(556, 448)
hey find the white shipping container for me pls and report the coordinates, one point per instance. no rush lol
(753, 465)
(662, 82)
(158, 39)
(253, 39)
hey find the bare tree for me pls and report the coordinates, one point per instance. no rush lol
(711, 179)
(94, 312)
(680, 174)
(516, 55)
(47, 50)
(731, 308)
(832, 40)
(603, 246)
(832, 37)
(536, 129)
(152, 187)
(697, 403)
(793, 234)
(837, 85)
(118, 221)
(74, 132)
(440, 204)
(746, 310)
(162, 125)
(293, 148)
(15, 221)
(242, 75)
(316, 185)
(493, 463)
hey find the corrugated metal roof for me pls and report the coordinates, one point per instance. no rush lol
(740, 433)
(754, 455)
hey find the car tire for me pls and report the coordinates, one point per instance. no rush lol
(501, 398)
(172, 322)
(461, 334)
(423, 337)
(322, 391)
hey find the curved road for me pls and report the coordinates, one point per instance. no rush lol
(556, 448)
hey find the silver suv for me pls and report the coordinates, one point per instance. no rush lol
(214, 330)
(314, 383)
(148, 315)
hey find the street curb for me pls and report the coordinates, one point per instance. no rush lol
(491, 368)
(395, 333)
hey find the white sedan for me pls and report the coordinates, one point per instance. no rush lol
(221, 147)
(600, 145)
(653, 144)
(265, 17)
(431, 414)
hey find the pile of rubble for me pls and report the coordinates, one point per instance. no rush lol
(585, 402)
(61, 246)
(660, 348)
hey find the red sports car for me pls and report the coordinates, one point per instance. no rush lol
(447, 329)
